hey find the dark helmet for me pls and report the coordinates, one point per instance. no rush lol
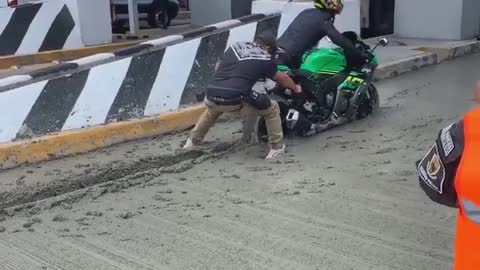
(267, 39)
(334, 6)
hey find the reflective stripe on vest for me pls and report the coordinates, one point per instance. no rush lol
(471, 210)
(467, 186)
(468, 172)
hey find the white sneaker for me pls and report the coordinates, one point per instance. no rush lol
(274, 153)
(188, 144)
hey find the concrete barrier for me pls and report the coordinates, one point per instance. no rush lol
(141, 81)
(37, 27)
(62, 144)
(53, 25)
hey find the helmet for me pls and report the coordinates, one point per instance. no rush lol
(334, 6)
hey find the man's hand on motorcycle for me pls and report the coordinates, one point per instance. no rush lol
(367, 56)
(298, 90)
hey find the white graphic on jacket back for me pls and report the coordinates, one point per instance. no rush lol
(250, 51)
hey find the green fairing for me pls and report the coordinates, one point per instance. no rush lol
(283, 68)
(327, 61)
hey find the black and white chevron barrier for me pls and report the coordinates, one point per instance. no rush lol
(147, 79)
(38, 27)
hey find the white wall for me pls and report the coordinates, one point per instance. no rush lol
(471, 19)
(94, 20)
(203, 13)
(429, 19)
(349, 20)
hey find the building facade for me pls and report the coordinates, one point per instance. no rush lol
(424, 19)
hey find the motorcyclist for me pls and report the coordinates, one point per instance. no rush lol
(308, 28)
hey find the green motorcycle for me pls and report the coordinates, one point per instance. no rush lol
(332, 93)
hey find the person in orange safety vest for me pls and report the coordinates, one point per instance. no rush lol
(450, 175)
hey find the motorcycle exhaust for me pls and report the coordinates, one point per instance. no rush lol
(292, 118)
(295, 120)
(320, 127)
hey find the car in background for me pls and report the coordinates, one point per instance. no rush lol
(151, 11)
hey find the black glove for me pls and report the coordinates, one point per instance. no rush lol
(367, 56)
(355, 60)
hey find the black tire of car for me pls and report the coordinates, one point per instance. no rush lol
(162, 19)
(153, 12)
(118, 26)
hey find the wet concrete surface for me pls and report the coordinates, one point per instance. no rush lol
(345, 199)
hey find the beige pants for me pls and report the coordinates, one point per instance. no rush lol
(250, 115)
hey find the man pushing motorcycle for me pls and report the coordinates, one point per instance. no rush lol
(308, 28)
(230, 90)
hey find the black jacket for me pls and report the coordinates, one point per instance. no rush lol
(308, 28)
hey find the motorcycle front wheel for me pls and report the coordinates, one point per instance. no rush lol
(369, 104)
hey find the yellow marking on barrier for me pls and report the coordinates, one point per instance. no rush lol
(87, 139)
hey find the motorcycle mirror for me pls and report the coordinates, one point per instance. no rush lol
(383, 42)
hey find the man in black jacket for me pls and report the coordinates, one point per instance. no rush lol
(308, 28)
(230, 90)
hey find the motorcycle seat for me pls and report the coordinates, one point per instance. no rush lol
(308, 81)
(334, 81)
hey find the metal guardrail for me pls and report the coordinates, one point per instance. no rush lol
(133, 17)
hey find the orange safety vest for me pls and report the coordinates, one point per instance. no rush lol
(467, 185)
